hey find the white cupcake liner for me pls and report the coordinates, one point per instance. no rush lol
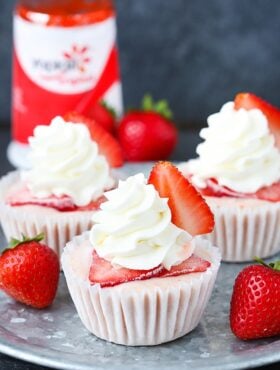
(245, 228)
(30, 220)
(139, 313)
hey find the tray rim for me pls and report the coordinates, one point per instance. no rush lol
(52, 361)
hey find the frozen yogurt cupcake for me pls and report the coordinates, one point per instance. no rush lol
(238, 173)
(61, 190)
(140, 277)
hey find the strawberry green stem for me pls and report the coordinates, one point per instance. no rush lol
(273, 265)
(16, 242)
(161, 107)
(110, 109)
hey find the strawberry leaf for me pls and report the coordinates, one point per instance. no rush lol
(275, 265)
(161, 107)
(272, 265)
(147, 103)
(108, 107)
(16, 242)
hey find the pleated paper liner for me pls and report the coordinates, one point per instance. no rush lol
(58, 227)
(139, 313)
(245, 228)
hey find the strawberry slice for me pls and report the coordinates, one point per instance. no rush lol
(214, 189)
(270, 193)
(23, 197)
(60, 204)
(189, 209)
(250, 101)
(104, 273)
(104, 115)
(192, 264)
(108, 145)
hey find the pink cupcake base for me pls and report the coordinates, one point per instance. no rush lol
(139, 313)
(245, 228)
(58, 227)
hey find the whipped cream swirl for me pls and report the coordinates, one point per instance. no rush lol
(65, 161)
(239, 151)
(133, 229)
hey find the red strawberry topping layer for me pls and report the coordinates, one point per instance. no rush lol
(23, 197)
(191, 264)
(104, 273)
(269, 193)
(189, 210)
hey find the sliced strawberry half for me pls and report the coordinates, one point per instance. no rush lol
(101, 113)
(189, 209)
(104, 273)
(250, 101)
(192, 264)
(108, 145)
(23, 197)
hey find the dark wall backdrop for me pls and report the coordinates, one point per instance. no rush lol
(196, 53)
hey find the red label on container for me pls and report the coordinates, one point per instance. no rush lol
(58, 69)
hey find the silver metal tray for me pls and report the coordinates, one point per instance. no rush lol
(55, 337)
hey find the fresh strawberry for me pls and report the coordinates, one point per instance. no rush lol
(101, 113)
(108, 145)
(148, 134)
(23, 196)
(189, 210)
(29, 272)
(269, 193)
(104, 273)
(250, 101)
(255, 302)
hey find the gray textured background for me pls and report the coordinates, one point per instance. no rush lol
(197, 53)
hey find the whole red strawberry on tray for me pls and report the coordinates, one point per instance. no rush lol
(29, 272)
(148, 133)
(255, 302)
